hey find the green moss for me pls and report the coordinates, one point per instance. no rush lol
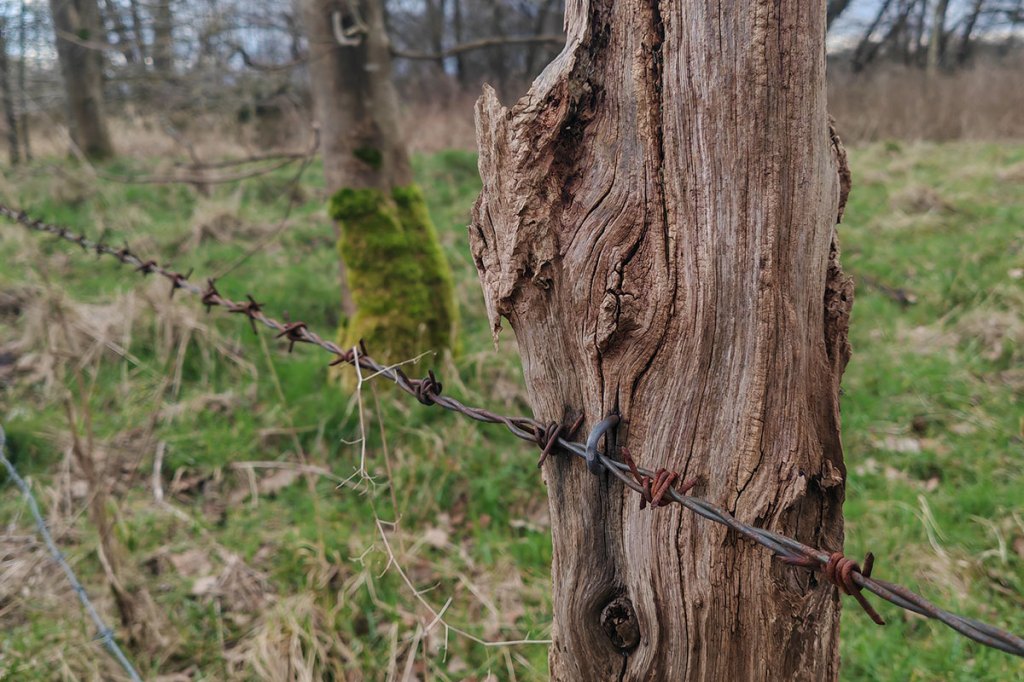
(400, 281)
(349, 205)
(371, 156)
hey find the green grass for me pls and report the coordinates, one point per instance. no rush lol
(932, 429)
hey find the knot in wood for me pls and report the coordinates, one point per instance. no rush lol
(618, 619)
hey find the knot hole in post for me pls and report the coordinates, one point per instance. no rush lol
(618, 620)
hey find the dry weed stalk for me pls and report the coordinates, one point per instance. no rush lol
(295, 641)
(438, 614)
(139, 614)
(145, 623)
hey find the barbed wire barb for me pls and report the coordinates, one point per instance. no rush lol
(104, 633)
(846, 575)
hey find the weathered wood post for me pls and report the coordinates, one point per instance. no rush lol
(657, 226)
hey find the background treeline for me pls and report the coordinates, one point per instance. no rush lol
(933, 69)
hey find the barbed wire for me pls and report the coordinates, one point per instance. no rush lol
(655, 487)
(104, 633)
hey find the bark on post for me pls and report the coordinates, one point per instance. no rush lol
(401, 294)
(76, 24)
(657, 226)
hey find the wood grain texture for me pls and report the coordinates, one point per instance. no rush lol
(657, 226)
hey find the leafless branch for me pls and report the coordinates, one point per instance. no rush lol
(260, 66)
(283, 160)
(481, 44)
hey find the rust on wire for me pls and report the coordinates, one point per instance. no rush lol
(210, 295)
(148, 267)
(427, 389)
(548, 437)
(344, 358)
(839, 570)
(252, 309)
(293, 332)
(178, 282)
(655, 487)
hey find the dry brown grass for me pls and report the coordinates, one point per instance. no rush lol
(435, 126)
(90, 331)
(294, 641)
(886, 102)
(213, 136)
(982, 103)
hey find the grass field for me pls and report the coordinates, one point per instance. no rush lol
(260, 565)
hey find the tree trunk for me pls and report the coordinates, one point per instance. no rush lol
(498, 53)
(163, 38)
(964, 51)
(938, 36)
(919, 34)
(397, 286)
(138, 30)
(899, 33)
(866, 48)
(76, 23)
(7, 95)
(657, 226)
(22, 88)
(835, 8)
(124, 43)
(436, 20)
(460, 59)
(539, 28)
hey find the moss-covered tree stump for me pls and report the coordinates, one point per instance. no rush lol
(400, 282)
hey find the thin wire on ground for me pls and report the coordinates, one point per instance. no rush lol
(104, 633)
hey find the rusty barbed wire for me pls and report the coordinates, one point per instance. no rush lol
(654, 487)
(103, 632)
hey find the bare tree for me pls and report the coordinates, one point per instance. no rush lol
(408, 307)
(498, 59)
(920, 48)
(163, 38)
(77, 27)
(125, 44)
(138, 29)
(7, 95)
(657, 227)
(964, 50)
(834, 9)
(460, 65)
(436, 23)
(22, 88)
(539, 28)
(936, 43)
